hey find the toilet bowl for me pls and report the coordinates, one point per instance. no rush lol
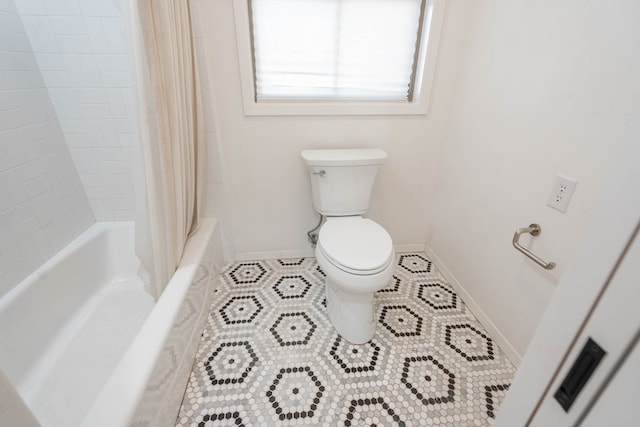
(356, 254)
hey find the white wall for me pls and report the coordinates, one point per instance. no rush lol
(268, 186)
(588, 281)
(42, 204)
(216, 198)
(548, 87)
(82, 53)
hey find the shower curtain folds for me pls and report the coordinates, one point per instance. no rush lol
(171, 138)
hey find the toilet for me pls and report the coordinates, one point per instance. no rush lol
(355, 253)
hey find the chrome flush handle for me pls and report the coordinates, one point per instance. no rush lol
(322, 173)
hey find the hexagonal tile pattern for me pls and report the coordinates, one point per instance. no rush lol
(295, 393)
(269, 355)
(415, 263)
(352, 358)
(437, 296)
(221, 418)
(230, 363)
(469, 342)
(494, 392)
(247, 273)
(291, 264)
(241, 309)
(294, 286)
(371, 411)
(317, 272)
(393, 286)
(293, 328)
(401, 321)
(320, 300)
(429, 381)
(295, 262)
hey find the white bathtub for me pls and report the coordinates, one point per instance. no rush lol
(84, 344)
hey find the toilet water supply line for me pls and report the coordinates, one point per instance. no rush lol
(312, 234)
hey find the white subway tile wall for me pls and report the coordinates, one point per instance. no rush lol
(81, 50)
(42, 203)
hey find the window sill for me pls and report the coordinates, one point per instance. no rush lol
(331, 108)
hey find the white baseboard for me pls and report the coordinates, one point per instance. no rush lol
(251, 256)
(484, 319)
(415, 247)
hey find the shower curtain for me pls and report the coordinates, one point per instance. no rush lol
(171, 142)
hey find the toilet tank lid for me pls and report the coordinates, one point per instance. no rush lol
(344, 157)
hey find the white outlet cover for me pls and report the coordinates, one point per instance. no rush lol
(561, 193)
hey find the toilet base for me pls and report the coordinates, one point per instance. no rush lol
(352, 315)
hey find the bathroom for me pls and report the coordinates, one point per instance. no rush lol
(520, 94)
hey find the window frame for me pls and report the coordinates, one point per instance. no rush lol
(419, 105)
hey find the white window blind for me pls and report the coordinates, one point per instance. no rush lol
(344, 50)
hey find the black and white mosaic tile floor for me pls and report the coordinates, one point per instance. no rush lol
(269, 355)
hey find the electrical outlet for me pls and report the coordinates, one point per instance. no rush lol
(561, 193)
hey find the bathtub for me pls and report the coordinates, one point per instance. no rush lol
(82, 343)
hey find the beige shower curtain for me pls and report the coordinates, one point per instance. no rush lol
(171, 138)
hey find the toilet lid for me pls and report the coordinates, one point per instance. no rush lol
(356, 244)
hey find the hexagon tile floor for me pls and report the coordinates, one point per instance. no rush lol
(270, 357)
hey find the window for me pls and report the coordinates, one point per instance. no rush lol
(336, 56)
(335, 49)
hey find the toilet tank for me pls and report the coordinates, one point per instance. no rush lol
(342, 179)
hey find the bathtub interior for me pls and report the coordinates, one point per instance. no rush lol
(148, 384)
(64, 329)
(84, 344)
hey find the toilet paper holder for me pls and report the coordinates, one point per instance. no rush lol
(534, 230)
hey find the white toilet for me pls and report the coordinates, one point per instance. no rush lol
(355, 253)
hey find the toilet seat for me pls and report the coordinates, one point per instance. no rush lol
(356, 245)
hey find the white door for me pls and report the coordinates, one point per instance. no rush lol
(613, 324)
(618, 404)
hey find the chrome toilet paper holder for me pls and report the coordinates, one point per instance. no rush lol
(534, 230)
